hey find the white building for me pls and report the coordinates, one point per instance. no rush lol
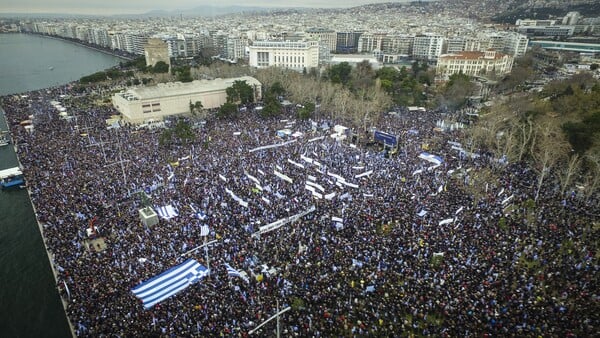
(327, 37)
(473, 64)
(236, 47)
(515, 44)
(354, 59)
(368, 42)
(296, 55)
(428, 47)
(153, 103)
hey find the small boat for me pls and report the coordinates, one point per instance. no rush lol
(51, 68)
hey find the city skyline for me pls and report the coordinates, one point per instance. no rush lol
(112, 7)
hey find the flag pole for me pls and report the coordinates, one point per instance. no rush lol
(207, 256)
(198, 247)
(270, 319)
(278, 333)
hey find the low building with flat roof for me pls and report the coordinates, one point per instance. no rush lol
(153, 103)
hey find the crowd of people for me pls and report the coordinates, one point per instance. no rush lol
(408, 249)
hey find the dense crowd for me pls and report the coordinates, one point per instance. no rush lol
(417, 251)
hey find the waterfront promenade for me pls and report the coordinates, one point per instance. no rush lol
(402, 246)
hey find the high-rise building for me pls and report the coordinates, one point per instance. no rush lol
(572, 18)
(326, 37)
(347, 42)
(428, 47)
(369, 42)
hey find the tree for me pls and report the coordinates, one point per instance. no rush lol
(569, 171)
(227, 110)
(160, 67)
(340, 73)
(272, 106)
(196, 107)
(456, 91)
(307, 110)
(184, 132)
(166, 137)
(548, 150)
(363, 76)
(240, 93)
(277, 89)
(594, 66)
(183, 73)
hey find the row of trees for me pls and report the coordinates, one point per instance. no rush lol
(109, 74)
(557, 131)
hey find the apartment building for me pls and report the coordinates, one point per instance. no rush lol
(369, 42)
(428, 47)
(347, 42)
(327, 37)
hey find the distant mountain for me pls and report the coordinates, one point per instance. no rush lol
(207, 11)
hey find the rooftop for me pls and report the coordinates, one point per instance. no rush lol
(468, 55)
(183, 88)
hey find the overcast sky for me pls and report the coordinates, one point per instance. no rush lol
(108, 7)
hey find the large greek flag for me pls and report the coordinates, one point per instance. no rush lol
(170, 282)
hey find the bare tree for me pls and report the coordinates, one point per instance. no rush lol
(549, 149)
(568, 172)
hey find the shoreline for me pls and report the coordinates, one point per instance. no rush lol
(41, 230)
(76, 42)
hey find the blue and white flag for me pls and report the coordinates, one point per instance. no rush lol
(357, 263)
(167, 211)
(201, 215)
(170, 282)
(204, 230)
(235, 273)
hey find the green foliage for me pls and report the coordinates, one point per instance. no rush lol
(402, 86)
(272, 106)
(183, 73)
(166, 137)
(582, 135)
(138, 63)
(456, 92)
(306, 111)
(160, 67)
(297, 304)
(93, 78)
(227, 111)
(576, 103)
(418, 67)
(240, 92)
(502, 224)
(363, 77)
(277, 89)
(114, 73)
(340, 73)
(529, 204)
(184, 132)
(196, 107)
(594, 66)
(204, 57)
(436, 261)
